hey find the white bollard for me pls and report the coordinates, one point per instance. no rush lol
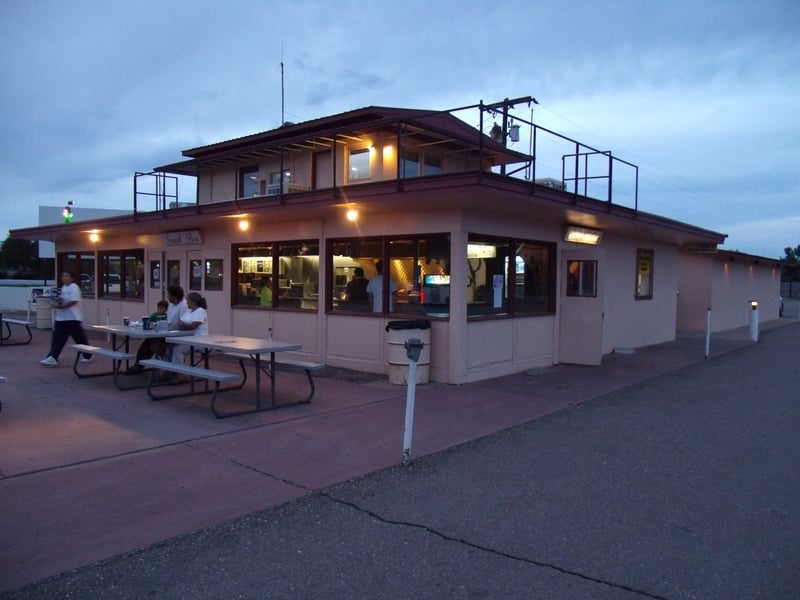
(754, 321)
(413, 348)
(708, 333)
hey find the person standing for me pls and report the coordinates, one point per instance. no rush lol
(356, 289)
(375, 289)
(68, 321)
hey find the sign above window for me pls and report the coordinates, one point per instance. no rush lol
(583, 235)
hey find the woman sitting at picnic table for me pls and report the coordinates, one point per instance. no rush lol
(194, 319)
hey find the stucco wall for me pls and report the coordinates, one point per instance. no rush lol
(632, 323)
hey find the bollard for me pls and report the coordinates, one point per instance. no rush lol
(708, 332)
(754, 321)
(413, 349)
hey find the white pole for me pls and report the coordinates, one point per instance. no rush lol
(708, 333)
(754, 321)
(108, 322)
(410, 396)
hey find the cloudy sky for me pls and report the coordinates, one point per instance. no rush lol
(703, 96)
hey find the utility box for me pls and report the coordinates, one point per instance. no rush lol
(398, 332)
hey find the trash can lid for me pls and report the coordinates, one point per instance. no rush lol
(408, 324)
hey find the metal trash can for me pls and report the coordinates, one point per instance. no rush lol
(398, 333)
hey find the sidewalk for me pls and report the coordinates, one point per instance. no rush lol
(89, 472)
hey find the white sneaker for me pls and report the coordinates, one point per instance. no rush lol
(85, 360)
(49, 361)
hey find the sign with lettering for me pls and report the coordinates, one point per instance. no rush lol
(182, 238)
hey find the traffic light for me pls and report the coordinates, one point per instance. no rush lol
(68, 212)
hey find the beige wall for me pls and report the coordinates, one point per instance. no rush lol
(726, 287)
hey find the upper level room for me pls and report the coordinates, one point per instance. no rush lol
(380, 144)
(366, 145)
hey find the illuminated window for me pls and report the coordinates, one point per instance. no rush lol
(121, 274)
(644, 274)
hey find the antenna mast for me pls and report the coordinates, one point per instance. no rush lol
(283, 120)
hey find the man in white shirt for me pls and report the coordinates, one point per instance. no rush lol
(68, 321)
(375, 289)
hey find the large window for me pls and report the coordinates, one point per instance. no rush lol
(358, 165)
(406, 275)
(81, 265)
(644, 274)
(414, 164)
(277, 275)
(121, 274)
(509, 276)
(248, 182)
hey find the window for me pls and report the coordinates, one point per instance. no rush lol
(416, 268)
(582, 278)
(213, 274)
(413, 165)
(248, 182)
(509, 276)
(122, 274)
(277, 275)
(359, 165)
(274, 187)
(644, 274)
(155, 274)
(81, 265)
(195, 274)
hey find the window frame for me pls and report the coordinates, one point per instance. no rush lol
(76, 263)
(246, 176)
(125, 256)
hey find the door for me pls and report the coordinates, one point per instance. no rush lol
(581, 304)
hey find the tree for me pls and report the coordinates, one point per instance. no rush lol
(791, 272)
(19, 254)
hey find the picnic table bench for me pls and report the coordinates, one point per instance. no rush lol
(284, 364)
(116, 356)
(194, 373)
(5, 330)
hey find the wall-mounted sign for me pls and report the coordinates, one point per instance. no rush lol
(182, 238)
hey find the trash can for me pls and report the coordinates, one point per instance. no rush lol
(398, 333)
(44, 314)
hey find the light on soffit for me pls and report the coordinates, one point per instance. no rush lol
(244, 224)
(352, 215)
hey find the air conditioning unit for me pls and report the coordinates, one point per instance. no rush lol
(552, 182)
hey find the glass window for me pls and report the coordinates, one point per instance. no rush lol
(173, 272)
(644, 274)
(81, 265)
(122, 274)
(416, 269)
(298, 270)
(509, 276)
(432, 165)
(487, 276)
(534, 275)
(213, 274)
(278, 275)
(275, 182)
(195, 274)
(582, 278)
(248, 182)
(155, 274)
(409, 165)
(359, 165)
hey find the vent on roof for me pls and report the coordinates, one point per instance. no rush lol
(551, 182)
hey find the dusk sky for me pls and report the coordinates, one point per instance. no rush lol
(703, 96)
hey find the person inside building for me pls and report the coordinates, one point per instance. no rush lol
(356, 289)
(265, 295)
(375, 289)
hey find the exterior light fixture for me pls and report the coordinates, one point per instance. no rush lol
(754, 304)
(352, 215)
(67, 212)
(94, 236)
(244, 224)
(582, 235)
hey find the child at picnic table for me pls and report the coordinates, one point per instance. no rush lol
(151, 346)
